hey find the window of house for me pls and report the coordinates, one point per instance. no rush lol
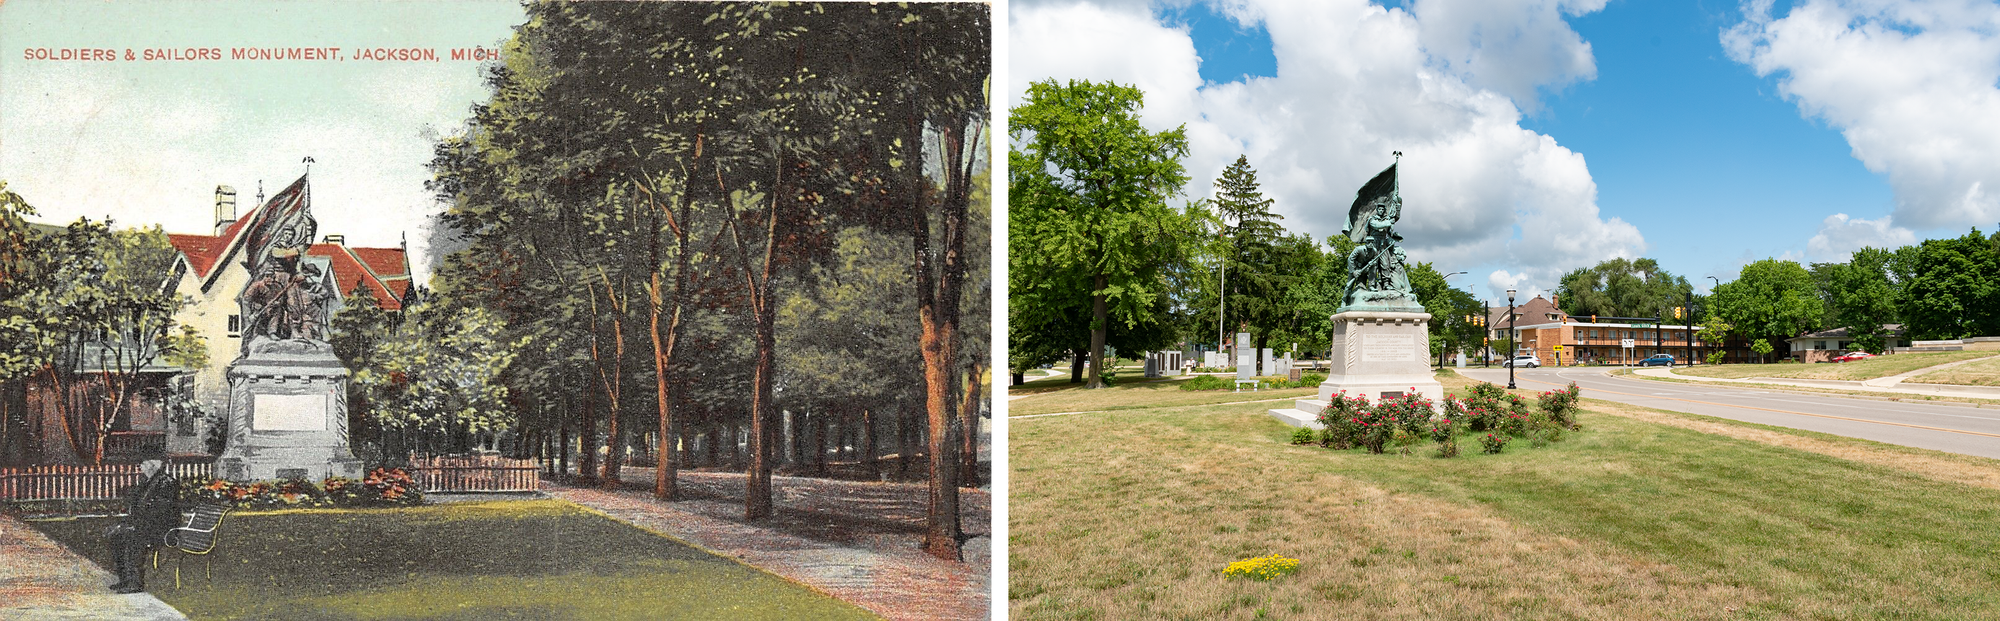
(235, 326)
(1553, 316)
(1819, 344)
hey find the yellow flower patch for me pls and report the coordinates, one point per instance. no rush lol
(1261, 568)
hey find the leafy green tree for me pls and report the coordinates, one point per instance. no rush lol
(1952, 291)
(1860, 296)
(1088, 188)
(438, 374)
(1621, 288)
(1451, 310)
(1772, 299)
(354, 332)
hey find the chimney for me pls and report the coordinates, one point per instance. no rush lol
(225, 208)
(338, 240)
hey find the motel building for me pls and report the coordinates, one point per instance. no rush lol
(1540, 327)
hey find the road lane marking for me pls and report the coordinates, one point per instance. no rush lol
(1830, 416)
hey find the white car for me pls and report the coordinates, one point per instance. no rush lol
(1524, 360)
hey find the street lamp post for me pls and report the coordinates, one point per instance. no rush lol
(1711, 292)
(1447, 277)
(1687, 326)
(1512, 337)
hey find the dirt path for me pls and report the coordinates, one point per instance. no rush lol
(41, 579)
(857, 541)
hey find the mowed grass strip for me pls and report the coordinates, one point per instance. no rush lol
(1126, 517)
(1879, 366)
(1058, 395)
(542, 559)
(1980, 373)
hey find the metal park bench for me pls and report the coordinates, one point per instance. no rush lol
(196, 538)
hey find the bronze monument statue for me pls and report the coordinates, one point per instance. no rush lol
(1376, 268)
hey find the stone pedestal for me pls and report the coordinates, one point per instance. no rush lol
(1376, 354)
(287, 414)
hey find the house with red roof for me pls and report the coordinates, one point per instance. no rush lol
(213, 270)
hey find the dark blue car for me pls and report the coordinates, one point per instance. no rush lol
(1658, 360)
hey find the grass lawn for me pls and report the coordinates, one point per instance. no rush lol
(1129, 515)
(1057, 394)
(541, 559)
(1879, 366)
(1982, 373)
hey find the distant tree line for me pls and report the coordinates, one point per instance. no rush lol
(1937, 289)
(676, 223)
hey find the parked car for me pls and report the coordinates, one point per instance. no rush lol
(1658, 360)
(1853, 356)
(1524, 360)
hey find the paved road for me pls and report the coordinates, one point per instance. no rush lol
(1969, 431)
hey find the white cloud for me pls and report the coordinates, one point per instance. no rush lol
(1356, 81)
(1839, 236)
(1508, 46)
(1911, 85)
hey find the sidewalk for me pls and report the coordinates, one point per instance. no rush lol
(857, 541)
(1886, 385)
(40, 579)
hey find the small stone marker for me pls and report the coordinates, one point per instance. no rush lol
(1246, 361)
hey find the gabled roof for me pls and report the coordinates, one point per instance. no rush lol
(1888, 329)
(201, 251)
(1533, 311)
(349, 272)
(384, 271)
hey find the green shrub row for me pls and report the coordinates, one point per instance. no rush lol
(1219, 382)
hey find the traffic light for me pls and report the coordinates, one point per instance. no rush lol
(1677, 312)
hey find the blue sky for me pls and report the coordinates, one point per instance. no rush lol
(1544, 135)
(146, 143)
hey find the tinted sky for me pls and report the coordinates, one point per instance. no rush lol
(1545, 135)
(147, 142)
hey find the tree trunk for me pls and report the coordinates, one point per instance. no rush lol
(969, 450)
(1100, 327)
(868, 463)
(586, 435)
(818, 443)
(1075, 367)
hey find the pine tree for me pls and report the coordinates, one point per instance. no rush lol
(1253, 285)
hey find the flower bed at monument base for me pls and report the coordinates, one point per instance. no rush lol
(1403, 422)
(382, 487)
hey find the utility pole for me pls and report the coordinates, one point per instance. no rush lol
(1512, 340)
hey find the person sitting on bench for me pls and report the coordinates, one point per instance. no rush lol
(152, 508)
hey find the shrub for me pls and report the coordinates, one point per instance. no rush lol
(1309, 380)
(1486, 406)
(1350, 422)
(1411, 412)
(1261, 568)
(1561, 404)
(1444, 431)
(1493, 443)
(1304, 435)
(1206, 382)
(382, 487)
